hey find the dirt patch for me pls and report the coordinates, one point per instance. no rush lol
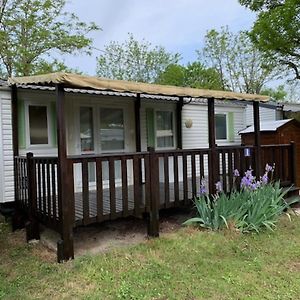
(104, 237)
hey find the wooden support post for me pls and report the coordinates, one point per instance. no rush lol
(137, 114)
(213, 164)
(65, 247)
(293, 163)
(32, 226)
(257, 142)
(179, 122)
(153, 222)
(138, 143)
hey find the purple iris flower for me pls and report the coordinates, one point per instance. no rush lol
(265, 178)
(236, 173)
(203, 190)
(219, 187)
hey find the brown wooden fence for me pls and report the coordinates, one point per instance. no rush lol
(107, 187)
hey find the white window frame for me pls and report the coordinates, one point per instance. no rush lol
(173, 129)
(226, 115)
(27, 127)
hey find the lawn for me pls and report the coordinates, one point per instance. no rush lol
(187, 264)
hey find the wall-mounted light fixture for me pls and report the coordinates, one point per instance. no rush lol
(188, 123)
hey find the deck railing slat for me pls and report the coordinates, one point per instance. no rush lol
(99, 189)
(112, 187)
(166, 180)
(85, 192)
(124, 186)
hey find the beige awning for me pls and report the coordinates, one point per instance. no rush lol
(87, 82)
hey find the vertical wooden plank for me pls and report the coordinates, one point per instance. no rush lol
(230, 170)
(153, 224)
(147, 183)
(85, 192)
(32, 227)
(185, 178)
(176, 181)
(136, 185)
(213, 163)
(293, 163)
(54, 200)
(40, 187)
(112, 187)
(166, 180)
(193, 168)
(201, 166)
(124, 186)
(65, 182)
(257, 139)
(49, 206)
(99, 182)
(224, 172)
(137, 115)
(44, 194)
(179, 122)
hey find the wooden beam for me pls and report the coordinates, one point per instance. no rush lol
(257, 141)
(14, 115)
(179, 122)
(65, 181)
(213, 165)
(137, 114)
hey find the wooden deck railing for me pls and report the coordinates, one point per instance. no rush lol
(112, 186)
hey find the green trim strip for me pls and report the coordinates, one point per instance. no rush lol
(150, 127)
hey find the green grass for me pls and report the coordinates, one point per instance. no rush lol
(188, 264)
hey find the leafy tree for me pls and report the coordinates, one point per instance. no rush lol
(134, 61)
(241, 66)
(30, 32)
(174, 74)
(276, 31)
(199, 76)
(278, 94)
(194, 75)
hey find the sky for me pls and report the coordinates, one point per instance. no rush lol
(178, 25)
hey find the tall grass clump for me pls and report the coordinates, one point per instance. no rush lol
(256, 205)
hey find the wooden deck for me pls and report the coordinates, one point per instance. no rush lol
(166, 200)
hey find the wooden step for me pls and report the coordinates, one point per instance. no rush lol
(292, 191)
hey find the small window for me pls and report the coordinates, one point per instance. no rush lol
(221, 126)
(164, 129)
(38, 125)
(111, 129)
(86, 129)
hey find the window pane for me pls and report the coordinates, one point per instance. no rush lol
(86, 129)
(111, 129)
(38, 125)
(221, 127)
(166, 141)
(164, 129)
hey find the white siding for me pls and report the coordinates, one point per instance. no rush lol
(266, 114)
(197, 135)
(6, 149)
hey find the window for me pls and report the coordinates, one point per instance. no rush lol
(86, 129)
(38, 125)
(111, 129)
(164, 129)
(221, 126)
